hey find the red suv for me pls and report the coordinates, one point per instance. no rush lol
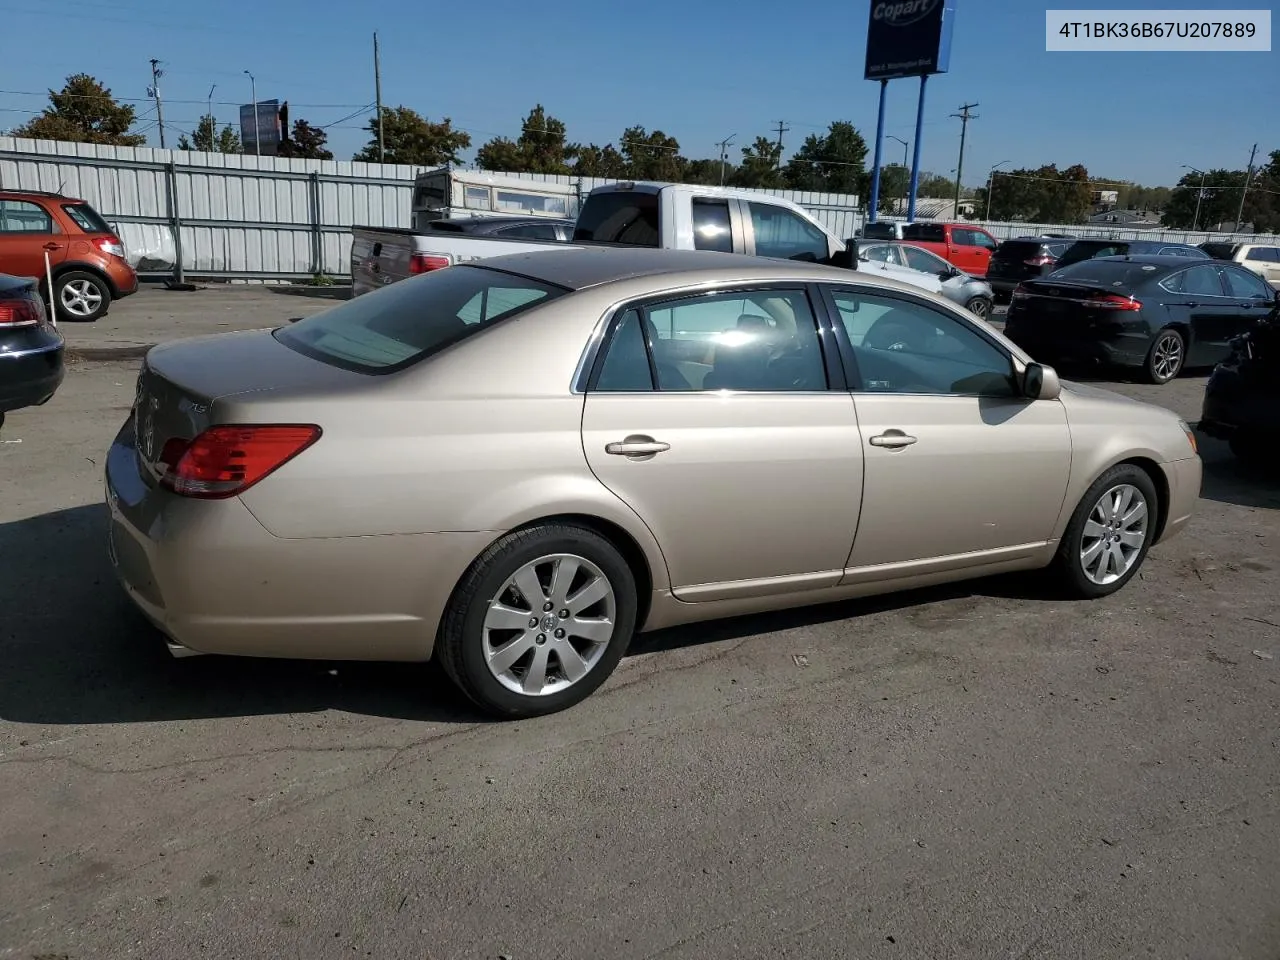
(85, 255)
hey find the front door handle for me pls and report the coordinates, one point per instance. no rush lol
(53, 246)
(637, 447)
(894, 439)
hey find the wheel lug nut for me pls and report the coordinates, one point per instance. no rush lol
(542, 638)
(564, 614)
(559, 634)
(547, 607)
(533, 621)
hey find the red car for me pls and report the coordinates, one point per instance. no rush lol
(85, 255)
(967, 248)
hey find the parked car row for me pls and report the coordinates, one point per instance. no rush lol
(30, 347)
(1263, 259)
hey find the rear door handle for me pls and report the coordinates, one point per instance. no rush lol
(637, 446)
(53, 246)
(894, 439)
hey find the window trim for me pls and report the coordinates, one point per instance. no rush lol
(853, 375)
(1236, 268)
(592, 361)
(736, 244)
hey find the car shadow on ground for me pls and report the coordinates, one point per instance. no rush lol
(1228, 480)
(76, 652)
(318, 293)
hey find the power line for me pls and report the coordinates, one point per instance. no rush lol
(221, 103)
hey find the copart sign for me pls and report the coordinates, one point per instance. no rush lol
(909, 38)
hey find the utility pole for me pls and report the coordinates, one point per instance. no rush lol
(781, 130)
(724, 154)
(1195, 221)
(1244, 191)
(212, 125)
(377, 93)
(906, 170)
(253, 90)
(156, 74)
(964, 116)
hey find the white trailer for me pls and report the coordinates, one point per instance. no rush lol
(447, 194)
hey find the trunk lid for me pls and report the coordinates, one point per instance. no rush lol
(1070, 304)
(180, 385)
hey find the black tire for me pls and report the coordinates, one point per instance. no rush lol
(1157, 368)
(460, 644)
(1067, 569)
(980, 307)
(87, 291)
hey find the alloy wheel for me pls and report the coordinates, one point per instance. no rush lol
(549, 624)
(1114, 534)
(81, 298)
(1166, 360)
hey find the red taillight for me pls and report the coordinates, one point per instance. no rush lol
(21, 313)
(426, 262)
(1040, 261)
(1019, 293)
(111, 245)
(1114, 302)
(226, 461)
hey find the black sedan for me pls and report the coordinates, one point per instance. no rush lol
(30, 347)
(1156, 313)
(1242, 397)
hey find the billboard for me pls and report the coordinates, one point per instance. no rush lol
(909, 38)
(268, 132)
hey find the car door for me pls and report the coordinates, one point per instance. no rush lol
(1254, 297)
(960, 469)
(972, 255)
(782, 233)
(27, 233)
(1203, 307)
(722, 420)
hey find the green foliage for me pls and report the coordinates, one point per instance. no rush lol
(541, 147)
(760, 165)
(834, 162)
(410, 138)
(84, 111)
(207, 138)
(593, 161)
(651, 156)
(306, 142)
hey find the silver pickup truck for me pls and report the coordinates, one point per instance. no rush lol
(672, 216)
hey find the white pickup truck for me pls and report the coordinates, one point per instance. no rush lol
(673, 216)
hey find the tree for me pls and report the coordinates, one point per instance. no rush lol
(652, 156)
(709, 172)
(834, 162)
(895, 180)
(84, 111)
(206, 138)
(306, 142)
(605, 162)
(541, 147)
(759, 167)
(935, 185)
(410, 138)
(1218, 201)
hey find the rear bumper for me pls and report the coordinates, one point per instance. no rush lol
(123, 279)
(214, 580)
(31, 368)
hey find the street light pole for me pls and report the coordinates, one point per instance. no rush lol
(1195, 221)
(991, 182)
(253, 88)
(212, 126)
(905, 147)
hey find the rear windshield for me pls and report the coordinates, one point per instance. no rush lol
(1084, 249)
(623, 216)
(1119, 274)
(86, 218)
(1220, 251)
(880, 231)
(404, 323)
(1020, 248)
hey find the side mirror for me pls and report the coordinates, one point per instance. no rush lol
(1040, 382)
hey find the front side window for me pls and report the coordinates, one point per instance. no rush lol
(711, 230)
(1246, 285)
(901, 346)
(759, 340)
(22, 216)
(781, 233)
(1264, 255)
(918, 259)
(409, 321)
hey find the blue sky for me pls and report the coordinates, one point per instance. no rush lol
(698, 71)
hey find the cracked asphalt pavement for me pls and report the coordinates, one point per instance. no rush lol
(975, 771)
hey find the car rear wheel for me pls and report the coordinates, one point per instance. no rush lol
(980, 307)
(80, 296)
(539, 621)
(1109, 533)
(1166, 356)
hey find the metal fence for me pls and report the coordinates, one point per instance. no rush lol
(272, 218)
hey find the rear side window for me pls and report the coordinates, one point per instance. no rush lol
(1243, 283)
(623, 216)
(1264, 255)
(409, 321)
(928, 232)
(711, 226)
(86, 218)
(880, 231)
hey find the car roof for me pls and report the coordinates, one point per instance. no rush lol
(1158, 259)
(591, 266)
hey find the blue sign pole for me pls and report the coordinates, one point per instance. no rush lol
(915, 159)
(873, 205)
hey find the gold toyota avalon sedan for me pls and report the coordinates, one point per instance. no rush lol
(515, 465)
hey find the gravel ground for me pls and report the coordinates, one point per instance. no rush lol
(976, 771)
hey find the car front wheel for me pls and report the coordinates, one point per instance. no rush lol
(1109, 534)
(980, 307)
(539, 621)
